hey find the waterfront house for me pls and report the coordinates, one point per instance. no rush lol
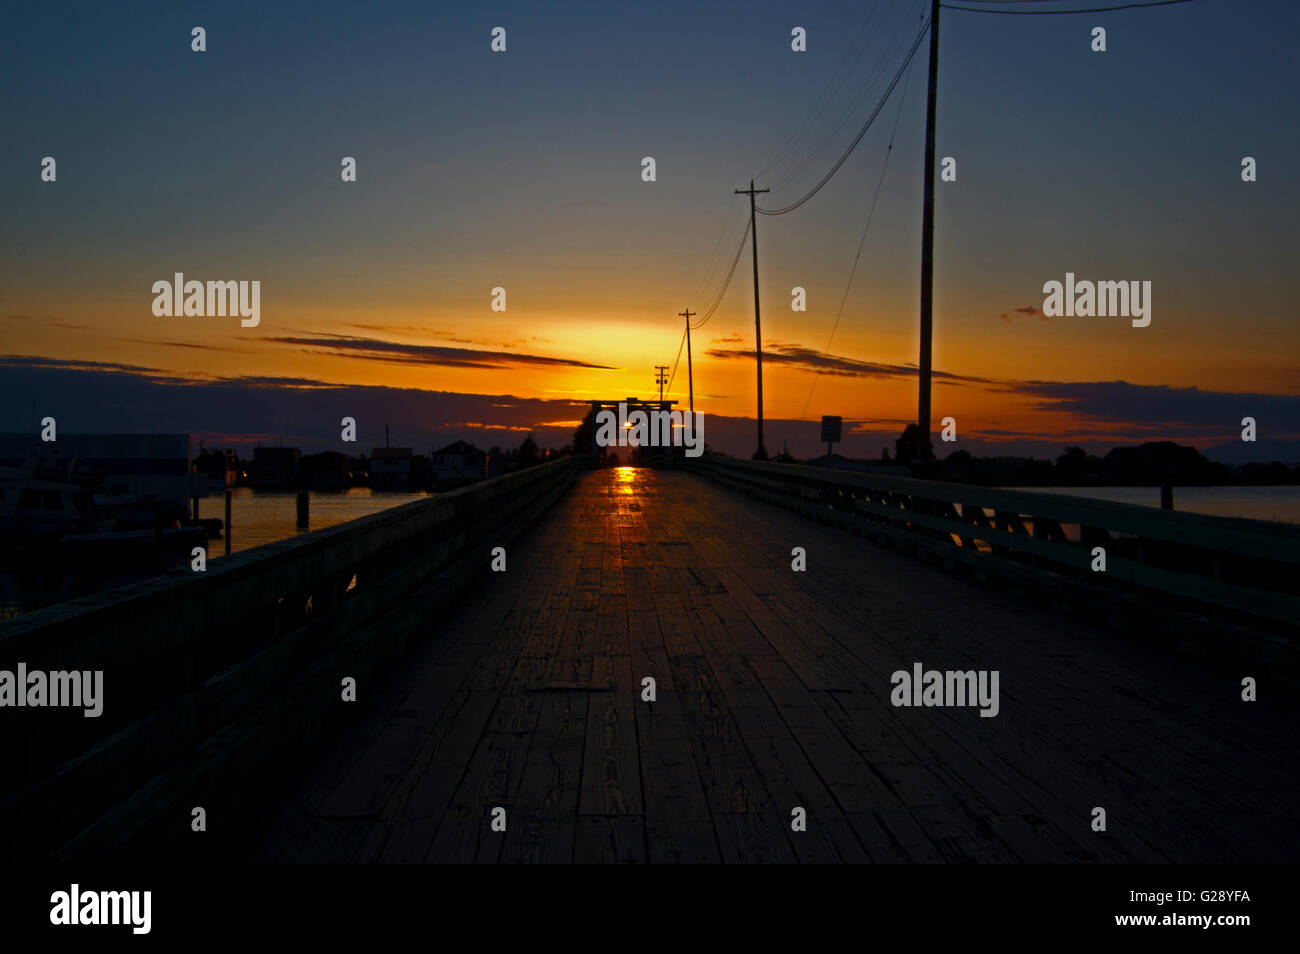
(459, 464)
(274, 467)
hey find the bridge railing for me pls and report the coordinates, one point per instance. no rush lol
(231, 665)
(1232, 569)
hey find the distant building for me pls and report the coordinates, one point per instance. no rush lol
(274, 467)
(458, 464)
(141, 466)
(328, 470)
(220, 468)
(1159, 462)
(391, 468)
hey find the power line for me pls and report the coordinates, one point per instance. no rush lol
(818, 106)
(717, 247)
(1122, 6)
(717, 299)
(690, 375)
(862, 132)
(713, 305)
(862, 243)
(675, 360)
(816, 112)
(896, 43)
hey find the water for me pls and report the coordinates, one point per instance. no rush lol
(261, 516)
(258, 517)
(264, 516)
(1254, 503)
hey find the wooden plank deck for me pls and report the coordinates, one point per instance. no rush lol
(773, 693)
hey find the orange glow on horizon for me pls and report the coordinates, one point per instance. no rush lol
(598, 354)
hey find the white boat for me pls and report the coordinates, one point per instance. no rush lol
(40, 505)
(33, 502)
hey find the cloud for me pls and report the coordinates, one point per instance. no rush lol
(301, 412)
(258, 381)
(1027, 310)
(47, 321)
(186, 344)
(873, 423)
(434, 333)
(90, 395)
(806, 359)
(75, 364)
(1162, 406)
(395, 352)
(364, 327)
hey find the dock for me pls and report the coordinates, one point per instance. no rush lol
(772, 694)
(506, 716)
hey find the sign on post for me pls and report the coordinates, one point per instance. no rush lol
(832, 427)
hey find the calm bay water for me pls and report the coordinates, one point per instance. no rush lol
(1254, 503)
(258, 517)
(264, 516)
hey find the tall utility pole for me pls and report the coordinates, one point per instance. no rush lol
(661, 378)
(690, 379)
(761, 453)
(927, 247)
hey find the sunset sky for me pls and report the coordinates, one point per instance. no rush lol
(522, 169)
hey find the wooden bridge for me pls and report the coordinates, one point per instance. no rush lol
(772, 693)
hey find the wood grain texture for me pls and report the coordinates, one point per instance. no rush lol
(772, 692)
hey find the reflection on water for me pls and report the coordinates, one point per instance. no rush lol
(264, 516)
(258, 517)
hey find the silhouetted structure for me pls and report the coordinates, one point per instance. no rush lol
(328, 470)
(459, 463)
(274, 467)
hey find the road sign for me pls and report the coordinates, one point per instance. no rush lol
(831, 428)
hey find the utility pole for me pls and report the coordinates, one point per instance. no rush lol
(661, 379)
(761, 453)
(690, 379)
(927, 247)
